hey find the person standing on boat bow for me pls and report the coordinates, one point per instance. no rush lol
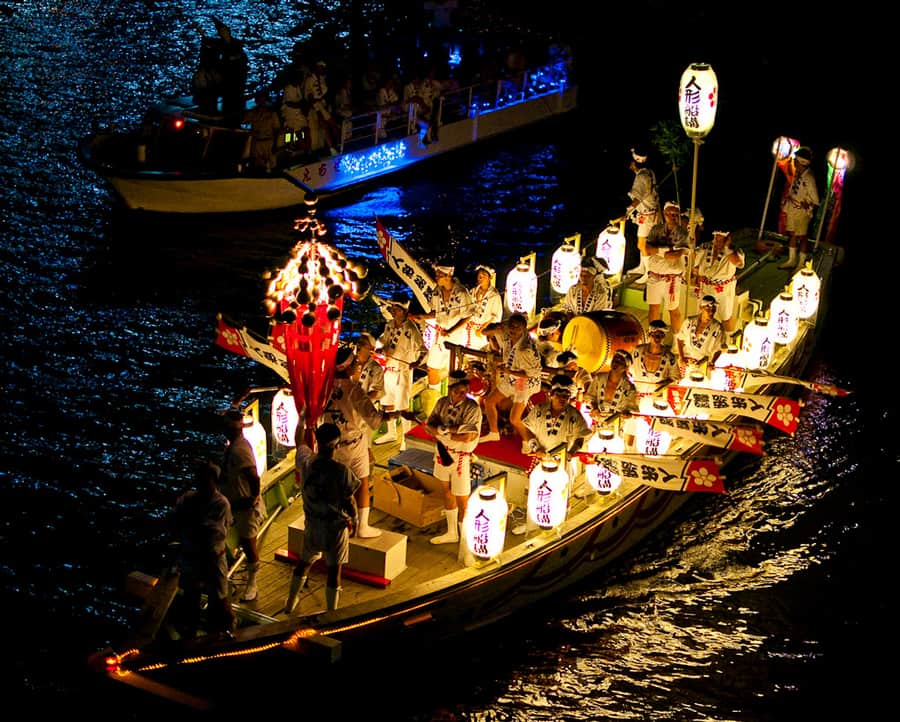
(241, 485)
(455, 422)
(667, 248)
(798, 204)
(643, 206)
(328, 490)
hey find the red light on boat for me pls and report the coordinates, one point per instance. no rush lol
(179, 123)
(111, 663)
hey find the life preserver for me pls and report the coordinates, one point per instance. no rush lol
(765, 245)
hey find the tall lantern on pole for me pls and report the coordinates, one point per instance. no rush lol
(565, 268)
(521, 287)
(698, 100)
(782, 149)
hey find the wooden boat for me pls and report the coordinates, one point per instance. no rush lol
(181, 161)
(399, 589)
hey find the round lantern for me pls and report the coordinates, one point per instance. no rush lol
(521, 289)
(757, 345)
(611, 248)
(601, 479)
(840, 159)
(698, 99)
(548, 494)
(648, 441)
(429, 333)
(485, 522)
(784, 147)
(284, 417)
(565, 268)
(783, 317)
(256, 435)
(726, 373)
(806, 287)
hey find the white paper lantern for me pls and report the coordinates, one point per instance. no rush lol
(722, 376)
(611, 248)
(521, 289)
(565, 268)
(649, 441)
(284, 417)
(601, 479)
(429, 333)
(548, 494)
(757, 345)
(256, 435)
(783, 317)
(698, 99)
(485, 522)
(806, 286)
(784, 147)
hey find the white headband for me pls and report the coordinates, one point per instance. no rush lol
(487, 269)
(638, 158)
(446, 270)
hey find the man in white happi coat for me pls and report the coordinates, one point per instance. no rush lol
(667, 247)
(591, 293)
(487, 304)
(798, 204)
(715, 266)
(643, 207)
(654, 363)
(702, 338)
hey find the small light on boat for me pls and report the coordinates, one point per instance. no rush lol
(111, 663)
(284, 417)
(727, 372)
(601, 479)
(548, 494)
(611, 248)
(806, 287)
(785, 317)
(565, 268)
(485, 522)
(698, 100)
(757, 344)
(256, 435)
(521, 287)
(178, 124)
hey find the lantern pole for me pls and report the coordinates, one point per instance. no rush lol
(839, 160)
(692, 236)
(781, 149)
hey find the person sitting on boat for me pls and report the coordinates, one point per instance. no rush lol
(354, 413)
(419, 95)
(567, 363)
(200, 519)
(452, 308)
(295, 111)
(666, 248)
(653, 363)
(265, 131)
(612, 393)
(591, 293)
(643, 206)
(455, 422)
(702, 339)
(323, 128)
(549, 344)
(518, 376)
(715, 265)
(241, 484)
(403, 349)
(387, 103)
(328, 489)
(344, 107)
(798, 204)
(488, 305)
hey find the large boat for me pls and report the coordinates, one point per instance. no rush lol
(183, 161)
(398, 589)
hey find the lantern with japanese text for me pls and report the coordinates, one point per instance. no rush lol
(601, 479)
(521, 287)
(284, 417)
(429, 333)
(783, 317)
(727, 371)
(256, 435)
(565, 268)
(806, 286)
(649, 441)
(698, 99)
(304, 302)
(757, 344)
(485, 522)
(611, 248)
(548, 493)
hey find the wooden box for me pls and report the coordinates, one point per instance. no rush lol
(382, 556)
(410, 495)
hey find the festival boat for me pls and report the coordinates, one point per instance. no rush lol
(180, 160)
(400, 591)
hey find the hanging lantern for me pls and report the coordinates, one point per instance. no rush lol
(429, 333)
(757, 345)
(521, 287)
(256, 435)
(485, 522)
(806, 287)
(611, 248)
(727, 373)
(284, 417)
(649, 441)
(601, 479)
(548, 494)
(783, 317)
(784, 147)
(565, 268)
(698, 99)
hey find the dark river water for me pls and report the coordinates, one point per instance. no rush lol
(768, 602)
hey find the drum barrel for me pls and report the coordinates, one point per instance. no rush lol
(595, 336)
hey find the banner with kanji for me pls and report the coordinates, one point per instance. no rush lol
(748, 379)
(712, 433)
(778, 411)
(662, 472)
(244, 343)
(404, 265)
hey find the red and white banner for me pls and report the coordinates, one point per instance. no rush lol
(662, 472)
(404, 265)
(778, 411)
(245, 343)
(720, 434)
(753, 379)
